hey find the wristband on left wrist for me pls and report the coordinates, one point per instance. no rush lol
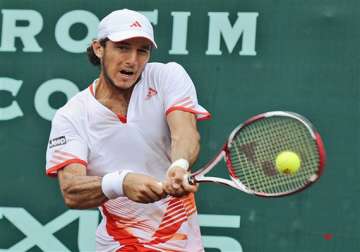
(182, 163)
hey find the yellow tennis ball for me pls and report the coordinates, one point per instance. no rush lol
(288, 162)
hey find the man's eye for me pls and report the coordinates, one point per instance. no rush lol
(143, 51)
(123, 47)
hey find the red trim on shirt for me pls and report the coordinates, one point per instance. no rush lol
(91, 87)
(52, 172)
(205, 115)
(177, 212)
(181, 101)
(121, 233)
(65, 155)
(122, 118)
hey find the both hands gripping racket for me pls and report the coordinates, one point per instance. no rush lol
(251, 151)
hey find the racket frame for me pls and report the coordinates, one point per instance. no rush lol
(198, 176)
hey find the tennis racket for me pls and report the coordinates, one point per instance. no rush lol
(251, 150)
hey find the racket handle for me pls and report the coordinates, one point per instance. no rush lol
(191, 179)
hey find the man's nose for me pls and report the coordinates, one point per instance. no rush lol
(132, 57)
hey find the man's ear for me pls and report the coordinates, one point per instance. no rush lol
(98, 49)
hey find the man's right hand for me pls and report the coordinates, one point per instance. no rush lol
(142, 188)
(175, 185)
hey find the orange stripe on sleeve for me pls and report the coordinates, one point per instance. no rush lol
(178, 102)
(205, 115)
(52, 172)
(65, 154)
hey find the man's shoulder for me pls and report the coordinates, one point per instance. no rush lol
(77, 105)
(161, 72)
(153, 66)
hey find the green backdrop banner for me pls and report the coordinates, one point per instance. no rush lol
(245, 57)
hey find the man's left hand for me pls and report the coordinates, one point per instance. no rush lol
(175, 184)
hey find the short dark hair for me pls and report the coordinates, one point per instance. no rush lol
(91, 54)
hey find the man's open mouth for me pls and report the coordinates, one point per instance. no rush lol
(126, 72)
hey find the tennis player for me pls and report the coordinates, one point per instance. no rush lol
(125, 143)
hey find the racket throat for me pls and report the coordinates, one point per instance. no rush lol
(191, 180)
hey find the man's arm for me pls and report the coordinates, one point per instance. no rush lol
(82, 192)
(185, 144)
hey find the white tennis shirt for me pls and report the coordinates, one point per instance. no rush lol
(85, 131)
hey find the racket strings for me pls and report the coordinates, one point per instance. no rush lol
(270, 171)
(256, 146)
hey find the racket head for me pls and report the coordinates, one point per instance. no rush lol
(253, 146)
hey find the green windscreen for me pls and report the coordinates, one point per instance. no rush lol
(244, 57)
(256, 146)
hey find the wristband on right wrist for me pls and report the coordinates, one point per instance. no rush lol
(112, 184)
(183, 163)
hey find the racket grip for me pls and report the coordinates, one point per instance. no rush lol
(191, 180)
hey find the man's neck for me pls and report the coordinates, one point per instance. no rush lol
(114, 98)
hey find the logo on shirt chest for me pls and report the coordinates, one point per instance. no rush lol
(57, 141)
(151, 92)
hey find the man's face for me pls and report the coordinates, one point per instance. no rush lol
(123, 62)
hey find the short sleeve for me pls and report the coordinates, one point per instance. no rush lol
(65, 145)
(179, 92)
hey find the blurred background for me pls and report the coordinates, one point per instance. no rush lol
(245, 57)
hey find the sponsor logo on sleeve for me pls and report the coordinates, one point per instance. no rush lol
(57, 141)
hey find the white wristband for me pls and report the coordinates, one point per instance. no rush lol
(112, 184)
(183, 163)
